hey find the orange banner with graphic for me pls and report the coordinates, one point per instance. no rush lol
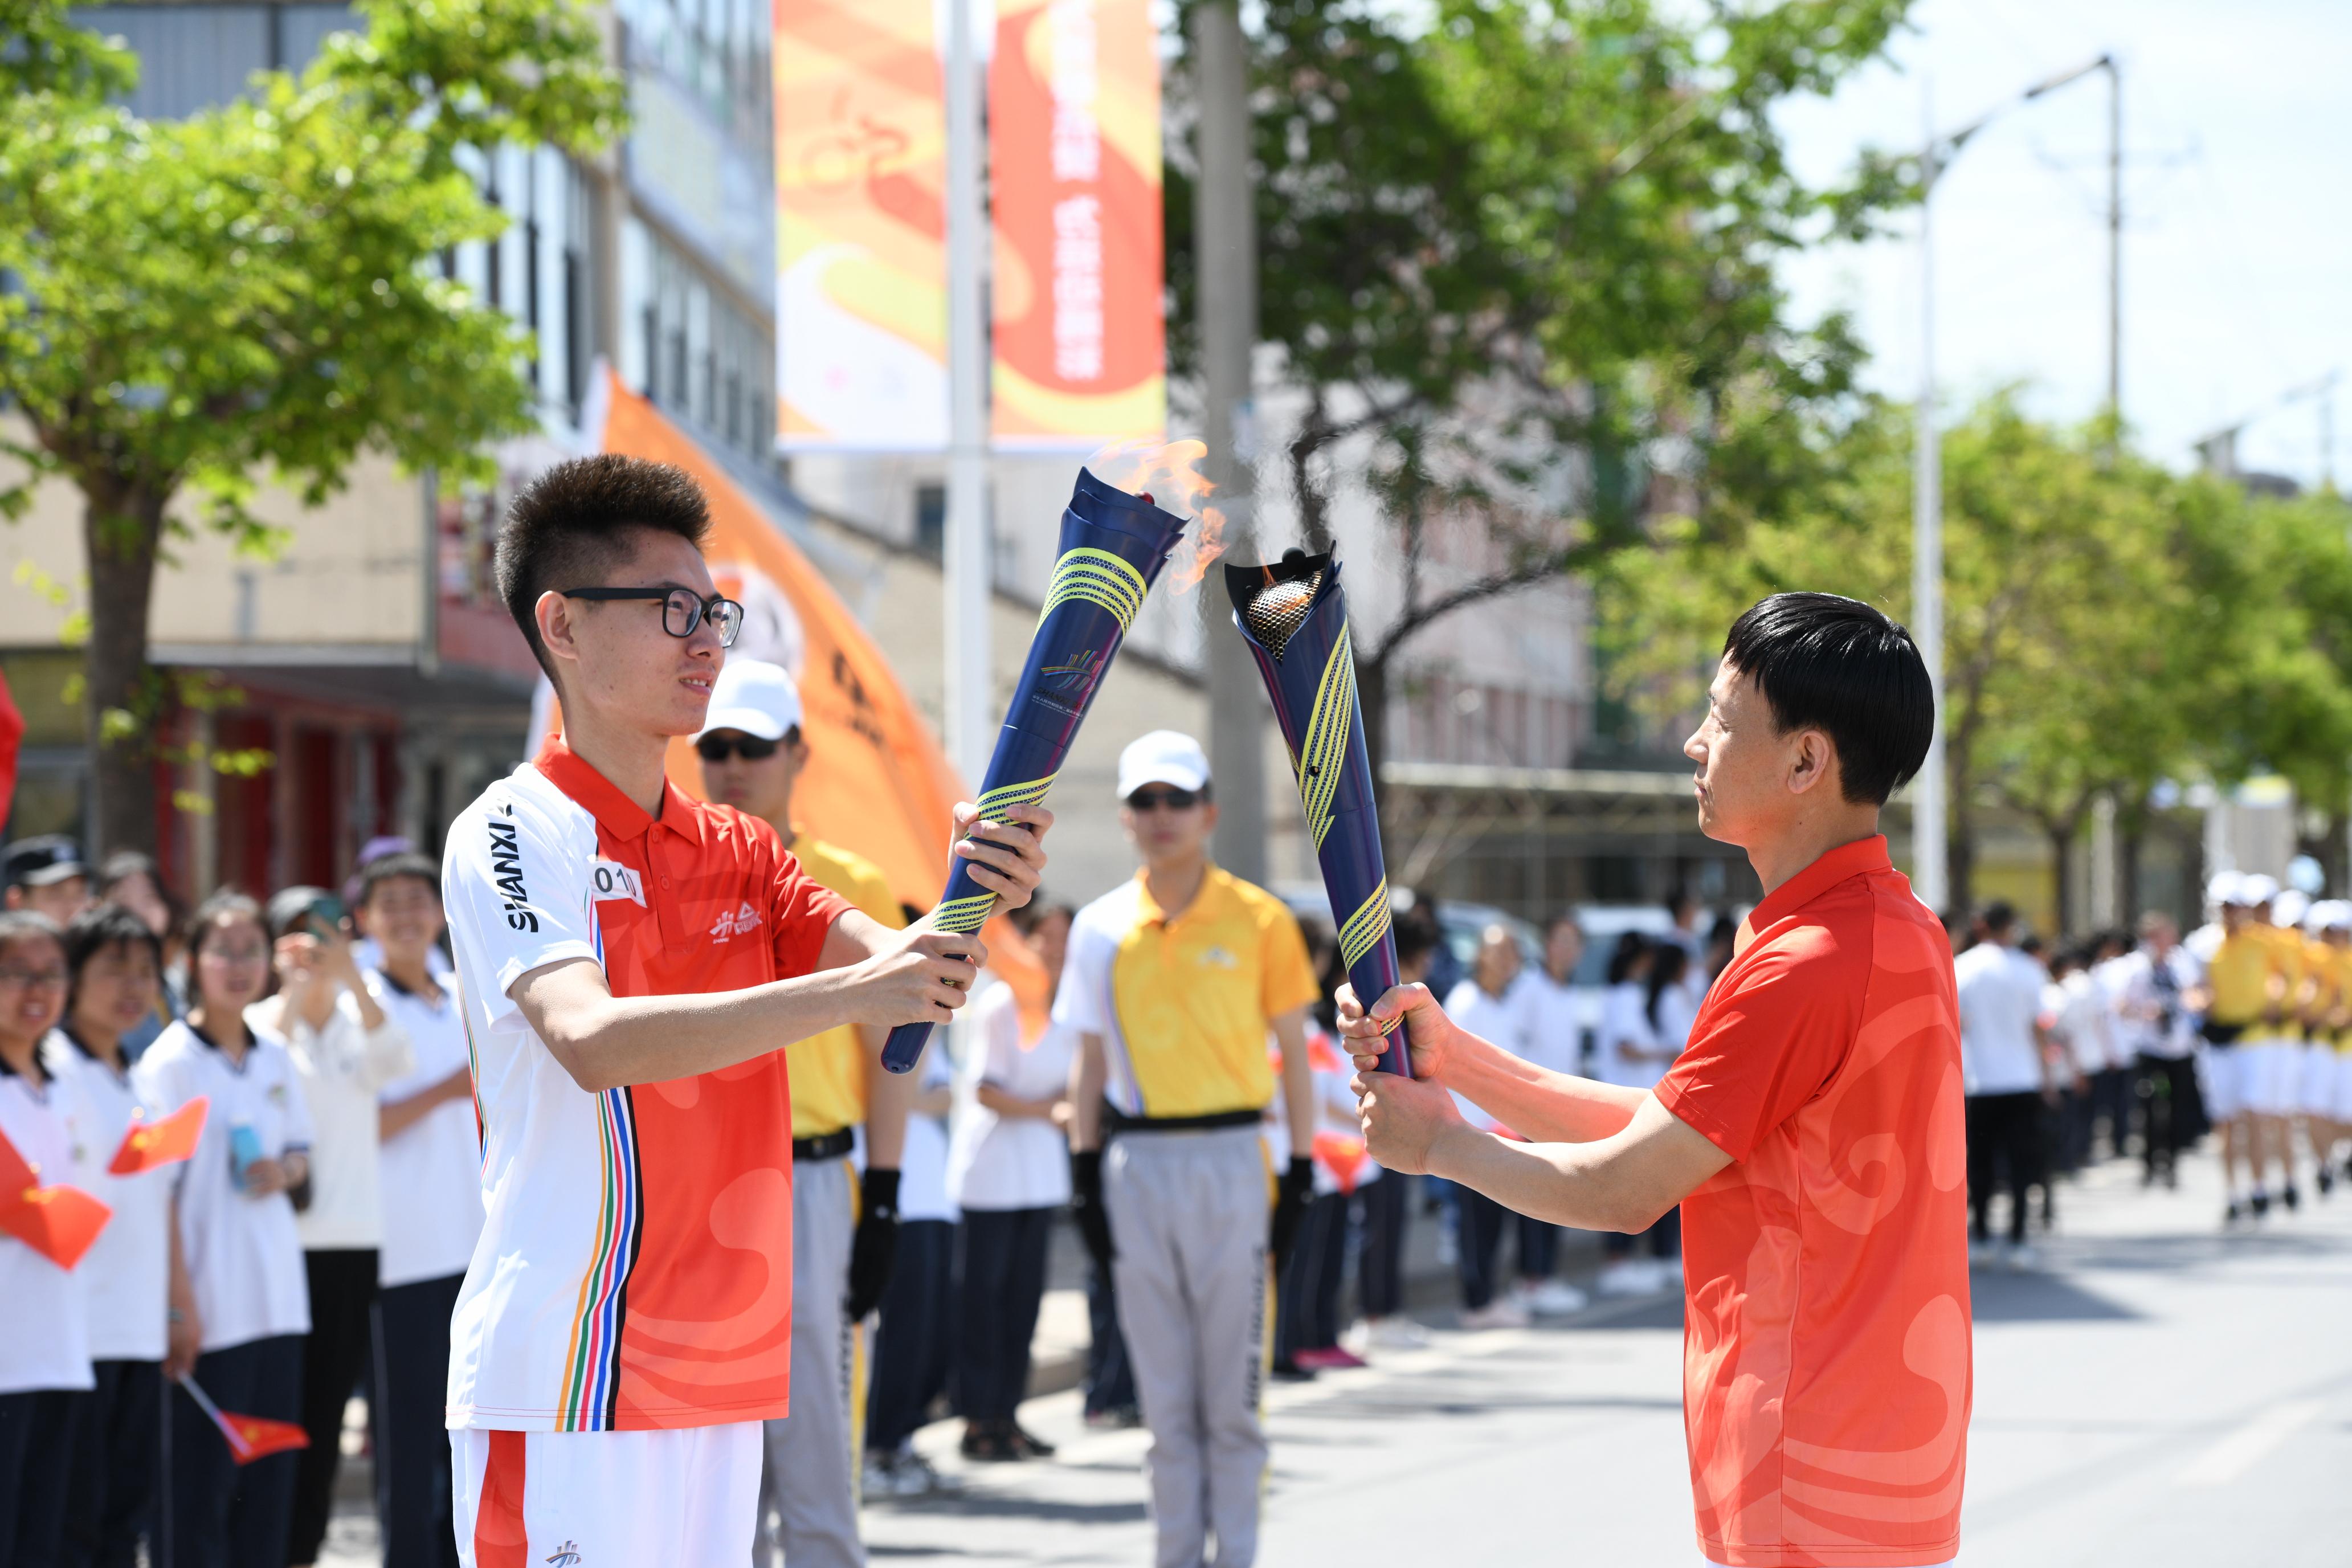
(861, 227)
(877, 782)
(1081, 354)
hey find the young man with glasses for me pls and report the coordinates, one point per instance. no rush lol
(845, 1228)
(1172, 984)
(631, 962)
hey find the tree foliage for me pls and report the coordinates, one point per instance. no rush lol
(2109, 626)
(1519, 259)
(256, 292)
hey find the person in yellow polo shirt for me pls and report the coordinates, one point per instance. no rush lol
(2242, 989)
(1171, 985)
(844, 1242)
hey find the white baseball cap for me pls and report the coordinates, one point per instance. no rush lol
(2257, 889)
(2225, 889)
(755, 697)
(1164, 756)
(2289, 908)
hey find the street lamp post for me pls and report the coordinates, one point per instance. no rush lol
(964, 558)
(1930, 799)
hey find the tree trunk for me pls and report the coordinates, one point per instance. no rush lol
(2061, 847)
(1961, 844)
(2339, 858)
(122, 524)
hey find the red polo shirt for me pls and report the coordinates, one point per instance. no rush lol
(1826, 1368)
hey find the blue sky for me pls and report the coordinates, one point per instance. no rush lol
(2237, 207)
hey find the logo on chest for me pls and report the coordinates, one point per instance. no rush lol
(734, 923)
(1216, 957)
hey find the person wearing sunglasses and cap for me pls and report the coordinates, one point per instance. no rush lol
(1172, 984)
(632, 963)
(845, 1227)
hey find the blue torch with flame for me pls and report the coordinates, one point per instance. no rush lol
(1295, 621)
(1113, 546)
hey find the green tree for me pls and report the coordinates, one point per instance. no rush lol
(255, 294)
(2079, 646)
(1519, 259)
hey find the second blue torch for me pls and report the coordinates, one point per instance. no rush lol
(1295, 621)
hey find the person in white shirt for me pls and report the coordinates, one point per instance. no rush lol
(44, 1370)
(132, 1276)
(251, 1298)
(2005, 1075)
(1485, 1004)
(431, 1182)
(2157, 1028)
(1008, 1171)
(1554, 1028)
(1628, 1051)
(344, 1050)
(1308, 1294)
(914, 1339)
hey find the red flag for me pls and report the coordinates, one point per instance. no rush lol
(149, 1144)
(1341, 1155)
(249, 1437)
(58, 1223)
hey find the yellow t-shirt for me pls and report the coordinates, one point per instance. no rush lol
(1183, 1003)
(2290, 961)
(828, 1071)
(2240, 974)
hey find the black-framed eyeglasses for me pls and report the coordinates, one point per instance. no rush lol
(1145, 800)
(751, 748)
(681, 611)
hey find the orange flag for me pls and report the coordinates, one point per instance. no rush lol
(58, 1223)
(249, 1437)
(1341, 1155)
(878, 783)
(149, 1144)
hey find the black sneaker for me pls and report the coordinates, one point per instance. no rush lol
(2326, 1179)
(988, 1445)
(1032, 1447)
(2233, 1214)
(2294, 1199)
(1291, 1371)
(2261, 1204)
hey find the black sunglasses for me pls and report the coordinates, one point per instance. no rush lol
(1173, 799)
(681, 611)
(751, 748)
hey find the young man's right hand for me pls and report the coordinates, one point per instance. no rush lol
(1430, 1035)
(923, 978)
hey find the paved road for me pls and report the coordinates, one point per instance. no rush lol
(2161, 1395)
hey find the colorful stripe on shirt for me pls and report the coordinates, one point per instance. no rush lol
(592, 1372)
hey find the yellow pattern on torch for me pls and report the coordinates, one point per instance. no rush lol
(964, 916)
(1100, 578)
(1365, 926)
(1005, 796)
(1324, 752)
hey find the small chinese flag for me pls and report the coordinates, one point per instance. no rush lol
(249, 1437)
(149, 1144)
(1341, 1155)
(58, 1223)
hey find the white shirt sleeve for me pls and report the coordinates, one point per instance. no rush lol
(301, 1133)
(1080, 1005)
(516, 896)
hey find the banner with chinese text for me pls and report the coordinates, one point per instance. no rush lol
(1080, 348)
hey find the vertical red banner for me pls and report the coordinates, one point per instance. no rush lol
(1081, 354)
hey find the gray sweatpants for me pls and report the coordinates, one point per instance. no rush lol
(810, 1477)
(1188, 1215)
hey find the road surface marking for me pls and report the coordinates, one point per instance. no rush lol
(2249, 1445)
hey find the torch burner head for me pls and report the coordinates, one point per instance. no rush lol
(1278, 611)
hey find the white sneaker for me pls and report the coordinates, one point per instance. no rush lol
(1502, 1312)
(1556, 1299)
(1625, 1277)
(1395, 1334)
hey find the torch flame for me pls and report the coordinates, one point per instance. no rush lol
(1167, 474)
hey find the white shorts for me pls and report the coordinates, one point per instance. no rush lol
(2226, 1074)
(2343, 1086)
(2273, 1067)
(688, 1496)
(2315, 1079)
